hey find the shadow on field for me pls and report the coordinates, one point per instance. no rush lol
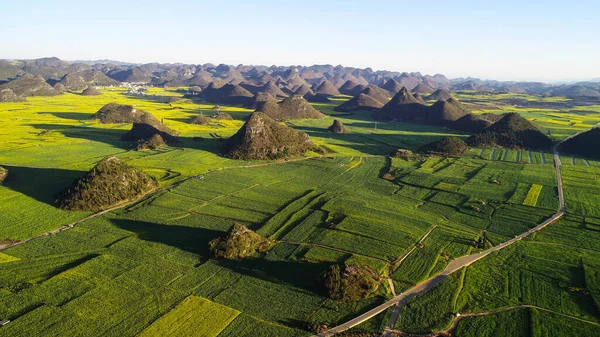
(195, 240)
(299, 274)
(350, 140)
(180, 119)
(209, 144)
(41, 184)
(75, 116)
(191, 239)
(107, 136)
(153, 98)
(113, 137)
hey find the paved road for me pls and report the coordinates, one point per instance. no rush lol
(453, 266)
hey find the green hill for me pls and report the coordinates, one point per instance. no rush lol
(263, 138)
(511, 131)
(114, 113)
(351, 88)
(29, 85)
(370, 98)
(451, 146)
(440, 94)
(337, 127)
(586, 144)
(443, 112)
(226, 94)
(392, 86)
(7, 95)
(327, 88)
(142, 132)
(109, 183)
(402, 107)
(474, 123)
(317, 98)
(293, 107)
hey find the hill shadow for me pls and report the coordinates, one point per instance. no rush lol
(154, 98)
(113, 137)
(208, 144)
(75, 116)
(374, 143)
(107, 136)
(41, 184)
(301, 275)
(180, 119)
(190, 239)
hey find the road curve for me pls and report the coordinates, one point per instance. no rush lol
(453, 266)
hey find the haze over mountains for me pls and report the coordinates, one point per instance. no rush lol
(27, 77)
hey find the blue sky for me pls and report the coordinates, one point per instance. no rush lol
(506, 40)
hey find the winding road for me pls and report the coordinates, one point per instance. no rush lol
(453, 266)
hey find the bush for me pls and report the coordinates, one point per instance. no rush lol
(337, 127)
(153, 143)
(239, 243)
(3, 174)
(200, 120)
(402, 153)
(451, 146)
(222, 116)
(356, 283)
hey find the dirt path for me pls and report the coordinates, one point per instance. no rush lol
(452, 267)
(396, 264)
(391, 284)
(399, 261)
(456, 320)
(522, 306)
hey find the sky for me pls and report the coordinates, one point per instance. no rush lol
(505, 40)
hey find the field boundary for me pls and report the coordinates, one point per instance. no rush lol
(142, 198)
(453, 266)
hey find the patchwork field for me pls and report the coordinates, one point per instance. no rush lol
(50, 141)
(146, 269)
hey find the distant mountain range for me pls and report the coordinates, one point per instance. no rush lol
(284, 80)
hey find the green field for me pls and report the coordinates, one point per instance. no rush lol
(193, 316)
(146, 269)
(559, 117)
